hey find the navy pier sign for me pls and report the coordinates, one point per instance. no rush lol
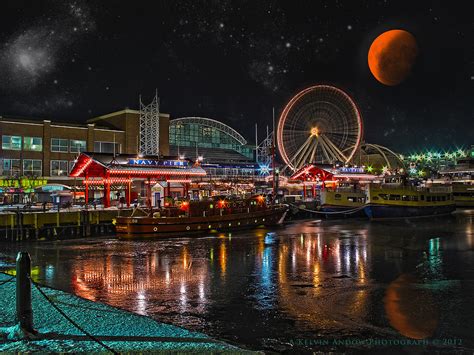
(151, 162)
(351, 170)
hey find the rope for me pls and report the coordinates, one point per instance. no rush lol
(354, 210)
(71, 321)
(7, 281)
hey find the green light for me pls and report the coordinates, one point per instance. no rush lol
(370, 169)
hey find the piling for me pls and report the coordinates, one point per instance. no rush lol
(24, 312)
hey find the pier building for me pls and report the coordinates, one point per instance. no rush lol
(36, 156)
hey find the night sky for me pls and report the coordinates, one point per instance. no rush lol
(235, 60)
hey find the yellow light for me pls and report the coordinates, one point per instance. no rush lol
(315, 131)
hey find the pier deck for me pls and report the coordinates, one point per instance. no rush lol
(120, 330)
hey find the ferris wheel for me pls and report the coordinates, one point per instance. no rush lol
(320, 124)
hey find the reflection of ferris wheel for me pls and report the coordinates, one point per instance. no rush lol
(319, 125)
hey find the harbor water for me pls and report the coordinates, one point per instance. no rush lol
(310, 285)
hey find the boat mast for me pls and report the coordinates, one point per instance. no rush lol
(273, 157)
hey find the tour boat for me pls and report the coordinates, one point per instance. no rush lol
(347, 202)
(461, 178)
(399, 200)
(197, 217)
(463, 193)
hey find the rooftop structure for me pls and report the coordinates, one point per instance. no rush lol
(377, 158)
(199, 132)
(110, 169)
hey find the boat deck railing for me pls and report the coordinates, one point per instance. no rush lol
(348, 189)
(433, 189)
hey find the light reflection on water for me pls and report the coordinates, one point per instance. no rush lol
(328, 279)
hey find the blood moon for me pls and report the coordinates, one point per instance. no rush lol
(392, 55)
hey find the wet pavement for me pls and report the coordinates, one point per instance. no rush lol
(311, 285)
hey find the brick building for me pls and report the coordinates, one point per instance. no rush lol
(32, 148)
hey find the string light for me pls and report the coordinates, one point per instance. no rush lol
(82, 168)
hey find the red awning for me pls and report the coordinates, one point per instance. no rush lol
(97, 165)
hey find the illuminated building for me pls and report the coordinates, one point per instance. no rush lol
(109, 171)
(45, 150)
(223, 151)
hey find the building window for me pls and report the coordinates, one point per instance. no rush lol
(11, 167)
(106, 147)
(32, 167)
(11, 142)
(59, 145)
(77, 146)
(59, 168)
(33, 143)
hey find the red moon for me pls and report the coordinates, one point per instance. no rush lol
(392, 55)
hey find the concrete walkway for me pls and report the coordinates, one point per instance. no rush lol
(120, 330)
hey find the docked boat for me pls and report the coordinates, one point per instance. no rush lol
(463, 193)
(399, 199)
(343, 202)
(335, 191)
(461, 178)
(195, 217)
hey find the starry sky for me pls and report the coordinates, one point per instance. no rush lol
(235, 60)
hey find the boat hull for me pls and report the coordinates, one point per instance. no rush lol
(464, 202)
(389, 211)
(149, 227)
(334, 211)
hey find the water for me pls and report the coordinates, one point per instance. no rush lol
(288, 288)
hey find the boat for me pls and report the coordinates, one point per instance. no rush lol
(463, 193)
(198, 217)
(397, 198)
(461, 178)
(343, 201)
(336, 191)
